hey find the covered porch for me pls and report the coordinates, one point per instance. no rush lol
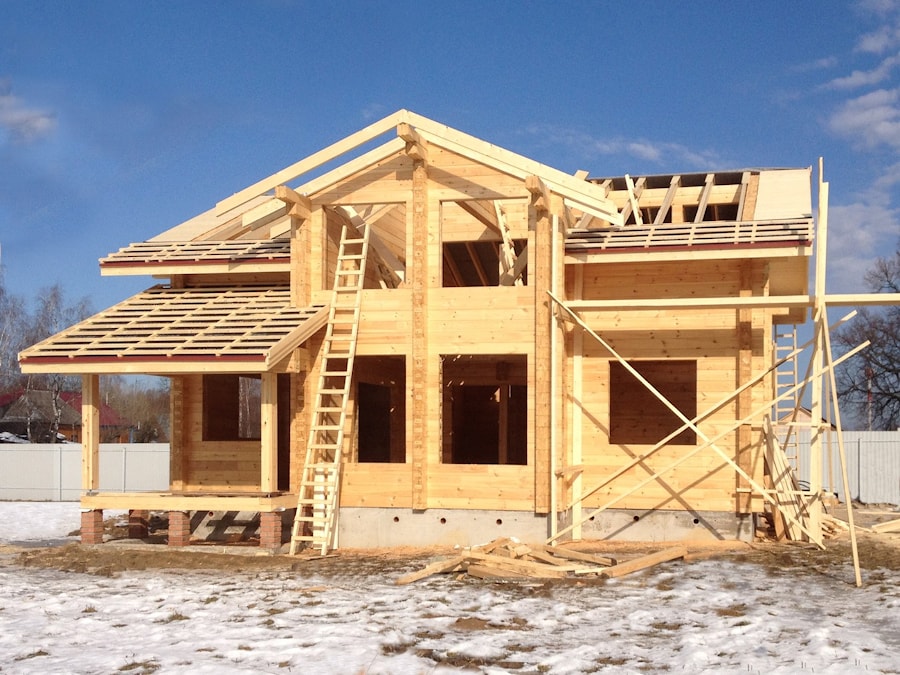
(234, 357)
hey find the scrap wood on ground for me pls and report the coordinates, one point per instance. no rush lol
(509, 559)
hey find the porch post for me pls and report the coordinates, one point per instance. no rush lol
(90, 433)
(268, 482)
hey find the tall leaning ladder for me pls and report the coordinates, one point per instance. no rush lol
(317, 503)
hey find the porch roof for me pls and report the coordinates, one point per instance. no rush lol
(164, 330)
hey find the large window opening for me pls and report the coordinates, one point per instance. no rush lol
(485, 411)
(381, 409)
(637, 417)
(231, 408)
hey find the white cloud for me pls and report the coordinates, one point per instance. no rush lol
(870, 120)
(585, 147)
(21, 123)
(863, 78)
(819, 64)
(860, 231)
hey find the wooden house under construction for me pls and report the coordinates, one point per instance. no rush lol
(441, 341)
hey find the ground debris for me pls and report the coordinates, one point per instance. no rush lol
(509, 559)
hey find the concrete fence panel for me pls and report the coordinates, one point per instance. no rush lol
(52, 472)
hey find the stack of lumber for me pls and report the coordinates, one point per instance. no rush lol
(509, 559)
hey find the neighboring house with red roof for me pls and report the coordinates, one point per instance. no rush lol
(30, 414)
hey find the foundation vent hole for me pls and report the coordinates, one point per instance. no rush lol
(443, 521)
(499, 522)
(636, 518)
(396, 519)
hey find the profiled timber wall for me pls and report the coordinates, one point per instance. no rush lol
(52, 472)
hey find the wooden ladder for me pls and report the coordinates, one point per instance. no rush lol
(786, 378)
(317, 502)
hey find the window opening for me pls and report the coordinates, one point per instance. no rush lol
(231, 408)
(381, 409)
(485, 410)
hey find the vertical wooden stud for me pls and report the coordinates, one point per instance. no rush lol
(90, 432)
(418, 366)
(176, 433)
(540, 269)
(744, 401)
(269, 433)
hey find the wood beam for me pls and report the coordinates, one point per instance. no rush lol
(476, 263)
(315, 160)
(674, 184)
(415, 146)
(540, 195)
(704, 197)
(300, 205)
(633, 196)
(90, 433)
(391, 261)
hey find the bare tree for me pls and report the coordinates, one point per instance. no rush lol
(869, 383)
(12, 324)
(52, 315)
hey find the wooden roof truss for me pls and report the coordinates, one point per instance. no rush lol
(242, 329)
(687, 211)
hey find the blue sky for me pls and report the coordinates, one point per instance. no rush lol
(121, 119)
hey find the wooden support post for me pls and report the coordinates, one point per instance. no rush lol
(541, 273)
(744, 372)
(418, 367)
(316, 265)
(301, 255)
(176, 433)
(577, 411)
(268, 480)
(90, 433)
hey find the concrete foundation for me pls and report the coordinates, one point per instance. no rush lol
(376, 527)
(633, 525)
(383, 527)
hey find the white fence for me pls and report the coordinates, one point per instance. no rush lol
(52, 472)
(873, 464)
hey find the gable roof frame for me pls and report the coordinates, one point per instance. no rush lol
(576, 191)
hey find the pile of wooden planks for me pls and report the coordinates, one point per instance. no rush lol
(510, 559)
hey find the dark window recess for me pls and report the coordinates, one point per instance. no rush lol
(637, 417)
(476, 263)
(374, 422)
(381, 409)
(485, 410)
(231, 408)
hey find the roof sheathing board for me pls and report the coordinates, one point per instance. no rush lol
(235, 329)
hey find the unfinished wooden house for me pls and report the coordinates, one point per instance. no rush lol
(441, 341)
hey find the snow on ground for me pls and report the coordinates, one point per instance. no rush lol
(711, 616)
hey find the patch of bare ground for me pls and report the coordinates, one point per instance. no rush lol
(876, 551)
